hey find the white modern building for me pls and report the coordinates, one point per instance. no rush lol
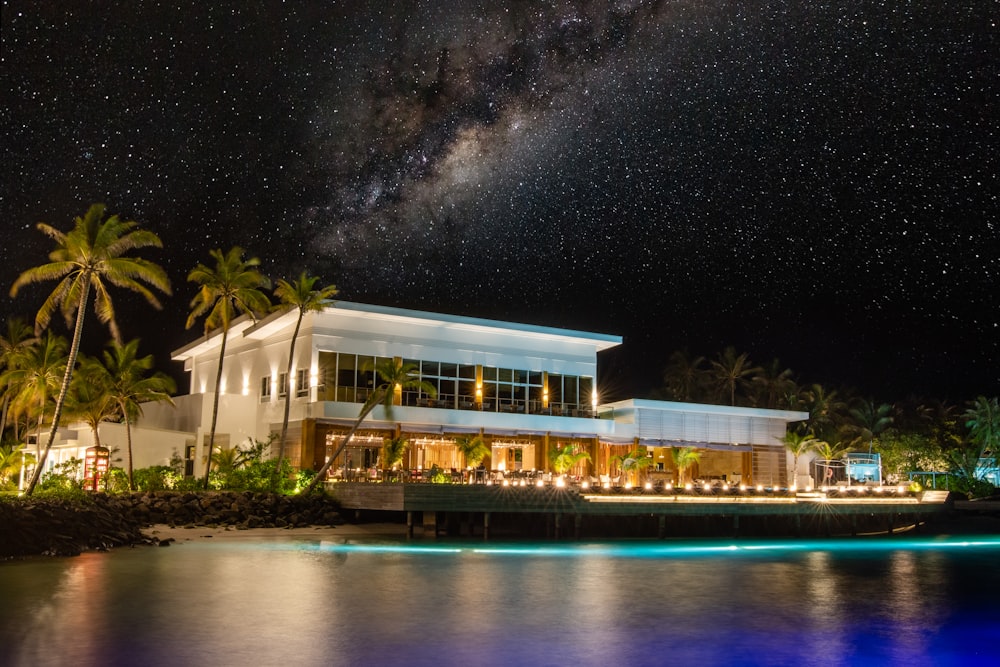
(526, 389)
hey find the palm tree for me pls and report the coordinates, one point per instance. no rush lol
(798, 444)
(731, 370)
(684, 376)
(393, 450)
(982, 418)
(473, 448)
(632, 462)
(123, 376)
(564, 458)
(773, 385)
(232, 287)
(19, 336)
(825, 409)
(301, 295)
(868, 419)
(12, 457)
(91, 256)
(34, 377)
(395, 377)
(684, 458)
(827, 452)
(88, 398)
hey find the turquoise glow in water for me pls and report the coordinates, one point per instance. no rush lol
(307, 602)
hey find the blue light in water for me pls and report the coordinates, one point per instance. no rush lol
(670, 550)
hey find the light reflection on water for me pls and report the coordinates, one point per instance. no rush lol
(299, 602)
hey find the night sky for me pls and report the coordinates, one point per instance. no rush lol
(813, 181)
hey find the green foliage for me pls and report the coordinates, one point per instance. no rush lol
(903, 453)
(439, 476)
(473, 448)
(393, 450)
(63, 477)
(156, 478)
(249, 468)
(564, 458)
(11, 458)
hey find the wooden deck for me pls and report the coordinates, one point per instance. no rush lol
(596, 512)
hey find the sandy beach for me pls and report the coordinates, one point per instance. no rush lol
(180, 534)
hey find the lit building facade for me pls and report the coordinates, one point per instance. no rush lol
(525, 389)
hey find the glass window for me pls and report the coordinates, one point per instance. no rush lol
(302, 382)
(265, 389)
(449, 370)
(467, 372)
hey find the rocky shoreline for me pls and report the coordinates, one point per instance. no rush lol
(59, 527)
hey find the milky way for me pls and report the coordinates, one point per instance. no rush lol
(809, 181)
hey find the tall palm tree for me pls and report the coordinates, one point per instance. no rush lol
(302, 295)
(395, 377)
(868, 419)
(19, 336)
(34, 377)
(91, 257)
(233, 287)
(773, 385)
(731, 371)
(982, 418)
(826, 411)
(88, 398)
(684, 376)
(122, 373)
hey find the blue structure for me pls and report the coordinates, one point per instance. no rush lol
(988, 471)
(863, 467)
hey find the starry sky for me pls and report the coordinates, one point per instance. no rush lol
(812, 181)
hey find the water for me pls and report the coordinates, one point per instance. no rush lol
(300, 602)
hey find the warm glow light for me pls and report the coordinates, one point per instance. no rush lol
(607, 485)
(792, 488)
(688, 486)
(668, 486)
(725, 487)
(706, 486)
(539, 483)
(628, 485)
(583, 485)
(560, 482)
(593, 397)
(649, 486)
(900, 489)
(760, 487)
(506, 482)
(743, 487)
(246, 386)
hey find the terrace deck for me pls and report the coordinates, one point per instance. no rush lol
(774, 512)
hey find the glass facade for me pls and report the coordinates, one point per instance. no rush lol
(349, 378)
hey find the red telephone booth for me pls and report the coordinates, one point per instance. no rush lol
(95, 467)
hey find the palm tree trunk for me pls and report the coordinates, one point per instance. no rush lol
(288, 400)
(128, 440)
(343, 444)
(215, 407)
(67, 376)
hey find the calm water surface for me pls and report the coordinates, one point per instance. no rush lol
(300, 602)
